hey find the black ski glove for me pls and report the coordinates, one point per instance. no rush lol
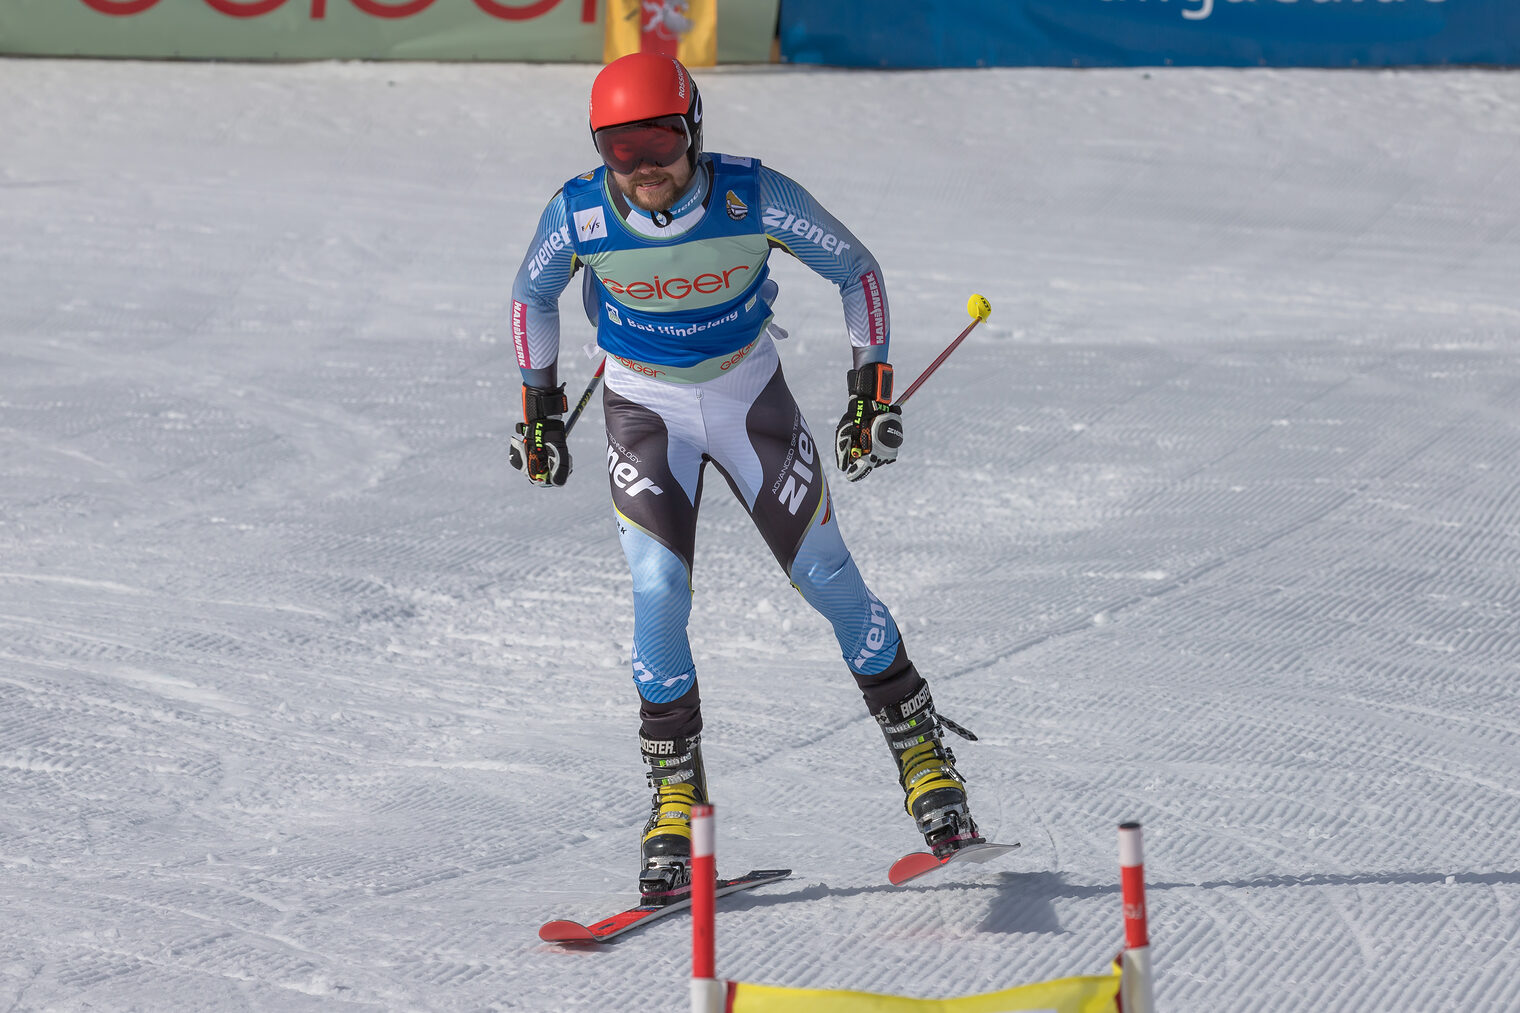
(871, 430)
(538, 449)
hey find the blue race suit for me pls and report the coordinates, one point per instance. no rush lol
(681, 304)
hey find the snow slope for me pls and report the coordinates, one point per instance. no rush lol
(307, 703)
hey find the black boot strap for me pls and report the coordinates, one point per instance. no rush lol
(964, 733)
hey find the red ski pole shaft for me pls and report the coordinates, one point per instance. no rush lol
(980, 309)
(935, 364)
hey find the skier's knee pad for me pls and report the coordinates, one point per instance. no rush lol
(662, 665)
(827, 576)
(823, 568)
(663, 596)
(661, 583)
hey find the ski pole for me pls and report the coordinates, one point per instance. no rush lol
(580, 405)
(980, 309)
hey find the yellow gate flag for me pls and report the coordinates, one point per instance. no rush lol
(1090, 994)
(685, 29)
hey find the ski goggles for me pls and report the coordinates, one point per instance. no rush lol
(627, 146)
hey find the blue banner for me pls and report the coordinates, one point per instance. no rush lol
(1132, 33)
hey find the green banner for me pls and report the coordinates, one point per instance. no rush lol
(746, 30)
(506, 30)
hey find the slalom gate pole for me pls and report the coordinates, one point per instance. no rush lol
(707, 993)
(1137, 989)
(980, 309)
(580, 405)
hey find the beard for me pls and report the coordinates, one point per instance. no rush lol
(651, 189)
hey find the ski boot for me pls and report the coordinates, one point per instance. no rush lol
(679, 782)
(935, 790)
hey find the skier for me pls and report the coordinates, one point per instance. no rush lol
(675, 241)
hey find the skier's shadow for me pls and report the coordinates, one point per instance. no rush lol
(817, 891)
(1023, 901)
(1026, 901)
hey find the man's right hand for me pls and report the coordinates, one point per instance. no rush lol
(538, 447)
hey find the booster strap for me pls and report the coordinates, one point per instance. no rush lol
(873, 381)
(542, 402)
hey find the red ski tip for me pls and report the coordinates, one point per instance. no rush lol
(915, 865)
(911, 867)
(565, 932)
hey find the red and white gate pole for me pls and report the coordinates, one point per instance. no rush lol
(1136, 990)
(707, 993)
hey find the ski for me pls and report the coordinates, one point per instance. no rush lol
(921, 862)
(564, 931)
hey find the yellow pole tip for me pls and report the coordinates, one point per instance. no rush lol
(979, 307)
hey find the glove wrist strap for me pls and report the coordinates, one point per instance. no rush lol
(543, 402)
(873, 381)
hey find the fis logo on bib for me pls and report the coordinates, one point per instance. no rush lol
(737, 209)
(590, 224)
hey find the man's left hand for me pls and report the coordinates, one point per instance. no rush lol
(871, 431)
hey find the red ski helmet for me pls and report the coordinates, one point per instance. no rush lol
(647, 86)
